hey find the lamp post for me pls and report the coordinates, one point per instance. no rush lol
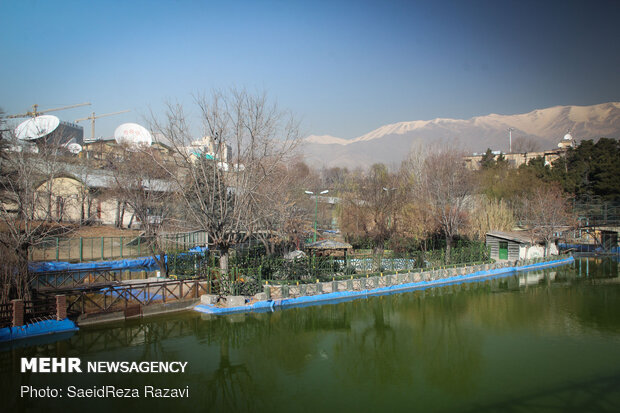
(316, 207)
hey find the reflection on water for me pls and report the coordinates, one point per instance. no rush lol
(503, 343)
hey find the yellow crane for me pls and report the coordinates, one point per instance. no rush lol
(93, 117)
(35, 112)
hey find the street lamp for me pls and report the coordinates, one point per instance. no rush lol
(316, 207)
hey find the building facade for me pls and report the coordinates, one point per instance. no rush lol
(518, 245)
(515, 160)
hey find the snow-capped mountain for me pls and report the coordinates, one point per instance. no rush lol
(392, 143)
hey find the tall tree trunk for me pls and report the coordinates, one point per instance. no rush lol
(377, 255)
(117, 215)
(225, 255)
(22, 282)
(159, 255)
(82, 212)
(90, 208)
(448, 248)
(122, 218)
(226, 284)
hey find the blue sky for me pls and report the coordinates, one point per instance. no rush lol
(343, 67)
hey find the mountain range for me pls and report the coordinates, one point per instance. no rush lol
(540, 129)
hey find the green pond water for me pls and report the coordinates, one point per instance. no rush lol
(537, 341)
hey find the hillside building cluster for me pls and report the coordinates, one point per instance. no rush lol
(517, 159)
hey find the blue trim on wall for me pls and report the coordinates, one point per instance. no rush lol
(336, 297)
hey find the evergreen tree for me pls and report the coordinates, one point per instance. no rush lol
(488, 160)
(591, 169)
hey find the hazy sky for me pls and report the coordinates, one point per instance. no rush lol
(343, 67)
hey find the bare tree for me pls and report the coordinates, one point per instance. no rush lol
(27, 209)
(142, 185)
(546, 212)
(371, 208)
(418, 220)
(83, 169)
(282, 206)
(447, 185)
(251, 138)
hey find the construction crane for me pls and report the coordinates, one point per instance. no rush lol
(35, 112)
(93, 117)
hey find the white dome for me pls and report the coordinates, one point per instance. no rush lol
(133, 134)
(568, 137)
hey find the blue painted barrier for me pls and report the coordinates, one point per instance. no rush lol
(136, 264)
(39, 328)
(336, 297)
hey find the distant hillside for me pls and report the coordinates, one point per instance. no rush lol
(392, 143)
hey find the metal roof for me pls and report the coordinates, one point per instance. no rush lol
(327, 244)
(93, 178)
(522, 237)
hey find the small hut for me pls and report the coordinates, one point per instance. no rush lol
(327, 247)
(517, 245)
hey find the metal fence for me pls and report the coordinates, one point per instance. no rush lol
(6, 314)
(42, 308)
(110, 248)
(246, 275)
(597, 213)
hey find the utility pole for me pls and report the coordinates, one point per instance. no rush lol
(510, 139)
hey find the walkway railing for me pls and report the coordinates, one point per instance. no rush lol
(130, 297)
(54, 280)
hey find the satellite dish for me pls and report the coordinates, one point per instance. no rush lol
(36, 128)
(74, 148)
(133, 135)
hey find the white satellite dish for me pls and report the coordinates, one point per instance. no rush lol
(133, 135)
(74, 148)
(35, 128)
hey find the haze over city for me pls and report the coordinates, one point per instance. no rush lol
(344, 68)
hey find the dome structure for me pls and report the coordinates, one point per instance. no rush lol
(133, 135)
(566, 142)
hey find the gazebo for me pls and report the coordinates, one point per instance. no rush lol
(329, 247)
